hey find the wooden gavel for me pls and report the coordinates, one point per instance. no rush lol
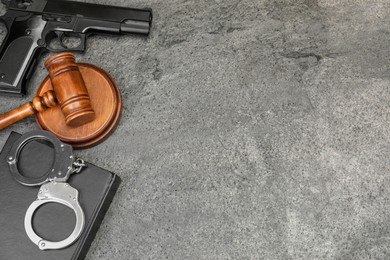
(69, 92)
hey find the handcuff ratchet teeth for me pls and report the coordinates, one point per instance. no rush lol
(54, 187)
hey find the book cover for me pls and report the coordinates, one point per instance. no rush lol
(51, 221)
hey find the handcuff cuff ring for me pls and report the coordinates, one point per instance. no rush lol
(61, 193)
(54, 187)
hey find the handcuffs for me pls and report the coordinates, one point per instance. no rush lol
(54, 187)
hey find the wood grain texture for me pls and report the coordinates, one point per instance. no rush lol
(38, 104)
(70, 89)
(105, 101)
(69, 92)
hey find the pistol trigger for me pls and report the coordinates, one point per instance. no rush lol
(83, 39)
(61, 36)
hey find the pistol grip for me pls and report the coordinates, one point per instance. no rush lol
(19, 53)
(16, 65)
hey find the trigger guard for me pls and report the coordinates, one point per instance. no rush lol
(54, 192)
(60, 35)
(78, 48)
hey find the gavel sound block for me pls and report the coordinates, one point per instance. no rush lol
(78, 102)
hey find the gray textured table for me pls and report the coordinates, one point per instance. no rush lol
(250, 130)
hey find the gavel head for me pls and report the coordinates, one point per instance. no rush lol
(69, 88)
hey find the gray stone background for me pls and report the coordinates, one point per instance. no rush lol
(250, 130)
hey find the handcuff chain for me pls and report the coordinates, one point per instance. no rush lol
(78, 165)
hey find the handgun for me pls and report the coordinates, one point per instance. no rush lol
(33, 24)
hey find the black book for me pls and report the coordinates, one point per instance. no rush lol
(52, 221)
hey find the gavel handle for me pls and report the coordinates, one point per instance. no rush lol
(38, 104)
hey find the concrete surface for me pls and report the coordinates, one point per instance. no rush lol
(250, 130)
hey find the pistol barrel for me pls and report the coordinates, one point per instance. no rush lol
(132, 26)
(96, 11)
(115, 18)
